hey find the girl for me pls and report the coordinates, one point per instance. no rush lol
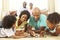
(22, 22)
(53, 22)
(8, 27)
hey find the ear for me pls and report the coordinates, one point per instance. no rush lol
(58, 29)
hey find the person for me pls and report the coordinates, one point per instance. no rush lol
(30, 8)
(53, 22)
(22, 21)
(22, 8)
(8, 27)
(38, 20)
(24, 4)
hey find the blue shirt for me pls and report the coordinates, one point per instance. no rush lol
(39, 23)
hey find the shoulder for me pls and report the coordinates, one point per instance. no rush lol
(31, 17)
(42, 16)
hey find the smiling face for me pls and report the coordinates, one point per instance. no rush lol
(23, 17)
(50, 25)
(31, 6)
(24, 4)
(36, 13)
(36, 16)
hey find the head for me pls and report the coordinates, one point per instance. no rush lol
(31, 5)
(53, 19)
(24, 16)
(36, 13)
(9, 22)
(13, 13)
(24, 4)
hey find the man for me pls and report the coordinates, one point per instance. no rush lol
(37, 20)
(24, 4)
(22, 8)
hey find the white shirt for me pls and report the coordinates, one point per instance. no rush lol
(30, 11)
(20, 10)
(6, 32)
(53, 31)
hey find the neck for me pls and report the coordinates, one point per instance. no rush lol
(30, 8)
(24, 7)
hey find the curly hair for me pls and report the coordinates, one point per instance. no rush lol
(25, 12)
(8, 21)
(54, 18)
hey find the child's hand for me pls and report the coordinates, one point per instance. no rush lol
(42, 33)
(32, 33)
(19, 33)
(17, 37)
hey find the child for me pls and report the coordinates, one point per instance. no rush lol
(53, 21)
(22, 21)
(8, 27)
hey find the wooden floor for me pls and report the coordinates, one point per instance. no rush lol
(44, 38)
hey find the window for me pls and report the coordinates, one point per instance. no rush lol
(57, 6)
(0, 8)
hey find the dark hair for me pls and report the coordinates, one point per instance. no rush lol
(25, 12)
(54, 18)
(8, 21)
(31, 4)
